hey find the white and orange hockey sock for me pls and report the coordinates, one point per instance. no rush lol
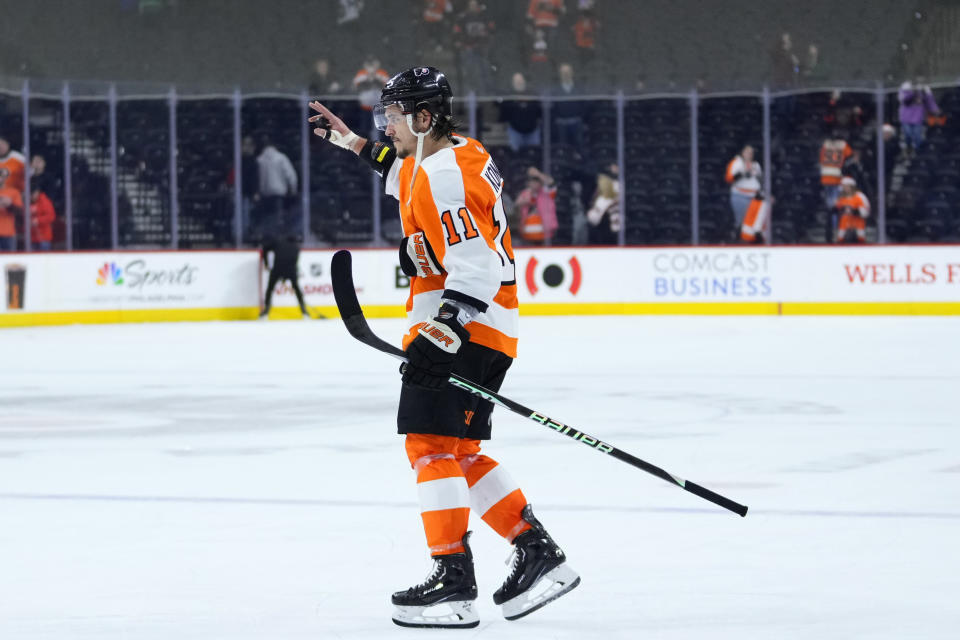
(494, 495)
(444, 496)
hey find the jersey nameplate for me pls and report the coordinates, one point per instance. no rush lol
(492, 175)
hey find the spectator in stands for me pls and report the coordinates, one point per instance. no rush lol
(755, 219)
(42, 215)
(277, 182)
(322, 81)
(38, 166)
(541, 69)
(604, 213)
(474, 29)
(537, 208)
(784, 64)
(843, 111)
(810, 72)
(834, 153)
(568, 114)
(854, 168)
(369, 81)
(916, 102)
(854, 208)
(349, 12)
(743, 175)
(891, 149)
(434, 25)
(544, 17)
(250, 181)
(367, 84)
(12, 166)
(11, 205)
(586, 30)
(348, 28)
(522, 116)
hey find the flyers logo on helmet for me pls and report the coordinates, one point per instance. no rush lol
(421, 71)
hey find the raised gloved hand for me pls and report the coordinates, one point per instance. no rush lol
(431, 355)
(331, 128)
(417, 257)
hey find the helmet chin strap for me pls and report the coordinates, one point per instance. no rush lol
(419, 156)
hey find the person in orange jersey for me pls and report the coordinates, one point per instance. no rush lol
(834, 153)
(11, 205)
(462, 315)
(12, 166)
(42, 215)
(755, 219)
(743, 174)
(854, 209)
(537, 207)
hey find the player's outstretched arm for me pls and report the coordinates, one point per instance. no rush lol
(377, 155)
(330, 127)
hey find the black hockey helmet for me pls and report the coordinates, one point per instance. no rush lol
(415, 89)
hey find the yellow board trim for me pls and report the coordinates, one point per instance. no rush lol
(647, 308)
(683, 308)
(29, 319)
(872, 308)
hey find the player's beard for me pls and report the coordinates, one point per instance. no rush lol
(402, 152)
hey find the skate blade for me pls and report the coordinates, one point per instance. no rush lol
(562, 580)
(461, 615)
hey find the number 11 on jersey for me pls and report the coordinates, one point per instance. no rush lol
(466, 223)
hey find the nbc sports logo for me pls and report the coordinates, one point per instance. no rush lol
(109, 272)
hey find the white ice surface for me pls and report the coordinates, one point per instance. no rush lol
(244, 480)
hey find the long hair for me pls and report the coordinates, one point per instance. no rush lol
(445, 127)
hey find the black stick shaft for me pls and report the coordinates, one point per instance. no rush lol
(597, 444)
(352, 315)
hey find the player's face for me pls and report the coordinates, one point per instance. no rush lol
(404, 141)
(399, 133)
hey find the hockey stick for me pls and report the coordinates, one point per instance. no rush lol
(341, 272)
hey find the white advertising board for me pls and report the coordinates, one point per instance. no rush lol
(110, 282)
(48, 288)
(578, 276)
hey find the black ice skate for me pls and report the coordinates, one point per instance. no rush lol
(539, 573)
(445, 598)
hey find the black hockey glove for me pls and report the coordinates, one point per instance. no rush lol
(431, 355)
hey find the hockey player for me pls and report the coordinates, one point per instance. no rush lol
(462, 314)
